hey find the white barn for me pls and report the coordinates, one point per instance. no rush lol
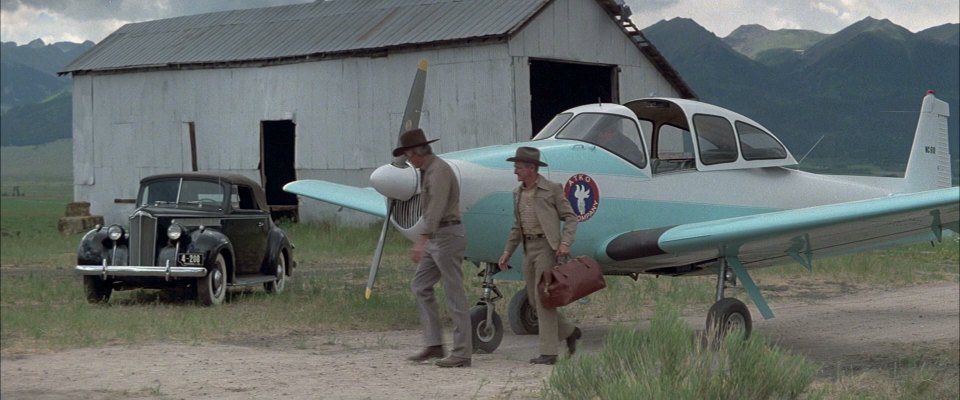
(317, 90)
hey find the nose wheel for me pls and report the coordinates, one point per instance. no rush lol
(485, 324)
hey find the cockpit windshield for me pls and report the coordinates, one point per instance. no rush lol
(617, 134)
(182, 192)
(553, 126)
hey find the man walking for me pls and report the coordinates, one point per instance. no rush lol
(438, 253)
(539, 207)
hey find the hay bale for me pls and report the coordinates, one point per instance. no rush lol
(71, 225)
(78, 209)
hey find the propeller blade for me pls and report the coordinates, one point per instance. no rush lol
(411, 115)
(378, 254)
(411, 120)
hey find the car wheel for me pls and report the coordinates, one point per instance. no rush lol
(212, 288)
(96, 289)
(280, 283)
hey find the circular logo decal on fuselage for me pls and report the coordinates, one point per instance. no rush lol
(583, 194)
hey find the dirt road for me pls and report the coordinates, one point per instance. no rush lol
(852, 329)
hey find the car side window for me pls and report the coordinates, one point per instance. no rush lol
(245, 198)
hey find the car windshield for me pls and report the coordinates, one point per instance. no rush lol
(179, 191)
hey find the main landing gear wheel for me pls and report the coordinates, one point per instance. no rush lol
(278, 284)
(726, 316)
(96, 289)
(486, 336)
(522, 315)
(212, 288)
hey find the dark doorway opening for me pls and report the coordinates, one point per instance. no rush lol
(557, 86)
(277, 149)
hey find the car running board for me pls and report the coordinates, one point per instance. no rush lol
(252, 280)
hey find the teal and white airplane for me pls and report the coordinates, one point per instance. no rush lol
(673, 187)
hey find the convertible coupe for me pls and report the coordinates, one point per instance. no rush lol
(203, 232)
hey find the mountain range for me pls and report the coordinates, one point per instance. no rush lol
(856, 91)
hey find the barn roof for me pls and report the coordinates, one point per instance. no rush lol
(323, 29)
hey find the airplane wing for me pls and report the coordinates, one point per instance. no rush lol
(777, 237)
(364, 200)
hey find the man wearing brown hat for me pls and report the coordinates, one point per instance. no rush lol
(539, 206)
(438, 253)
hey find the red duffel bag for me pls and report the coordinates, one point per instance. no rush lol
(567, 282)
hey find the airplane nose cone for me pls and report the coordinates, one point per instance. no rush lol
(395, 183)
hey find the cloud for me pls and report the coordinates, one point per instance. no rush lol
(79, 20)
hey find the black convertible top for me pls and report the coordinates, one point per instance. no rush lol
(216, 176)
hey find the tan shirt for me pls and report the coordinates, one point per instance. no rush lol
(528, 215)
(440, 199)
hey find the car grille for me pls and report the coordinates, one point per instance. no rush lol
(407, 213)
(143, 239)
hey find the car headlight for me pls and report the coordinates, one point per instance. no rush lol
(115, 232)
(174, 232)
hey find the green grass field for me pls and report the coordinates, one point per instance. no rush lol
(42, 308)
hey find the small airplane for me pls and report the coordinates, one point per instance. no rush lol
(676, 187)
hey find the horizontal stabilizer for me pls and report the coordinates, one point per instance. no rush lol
(365, 200)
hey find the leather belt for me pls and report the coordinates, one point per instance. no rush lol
(444, 224)
(534, 237)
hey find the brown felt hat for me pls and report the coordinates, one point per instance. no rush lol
(528, 155)
(411, 139)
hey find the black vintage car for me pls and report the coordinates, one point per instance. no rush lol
(199, 231)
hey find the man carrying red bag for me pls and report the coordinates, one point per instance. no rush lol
(539, 207)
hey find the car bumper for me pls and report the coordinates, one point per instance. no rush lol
(167, 271)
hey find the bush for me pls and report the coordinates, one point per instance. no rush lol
(670, 361)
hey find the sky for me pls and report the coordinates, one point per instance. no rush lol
(53, 21)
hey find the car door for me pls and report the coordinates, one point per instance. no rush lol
(247, 226)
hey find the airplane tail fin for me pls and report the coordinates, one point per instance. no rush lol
(929, 163)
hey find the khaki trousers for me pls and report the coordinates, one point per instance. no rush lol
(538, 257)
(443, 259)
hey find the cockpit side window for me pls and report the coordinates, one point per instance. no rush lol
(674, 150)
(755, 144)
(674, 143)
(715, 138)
(553, 126)
(617, 134)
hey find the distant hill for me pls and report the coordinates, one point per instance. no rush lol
(946, 33)
(860, 88)
(34, 101)
(753, 40)
(39, 123)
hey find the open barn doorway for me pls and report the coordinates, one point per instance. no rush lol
(277, 150)
(556, 86)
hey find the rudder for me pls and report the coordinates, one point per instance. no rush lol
(929, 163)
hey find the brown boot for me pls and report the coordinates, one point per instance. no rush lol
(572, 340)
(453, 362)
(427, 353)
(544, 359)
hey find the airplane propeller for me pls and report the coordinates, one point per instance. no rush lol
(382, 178)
